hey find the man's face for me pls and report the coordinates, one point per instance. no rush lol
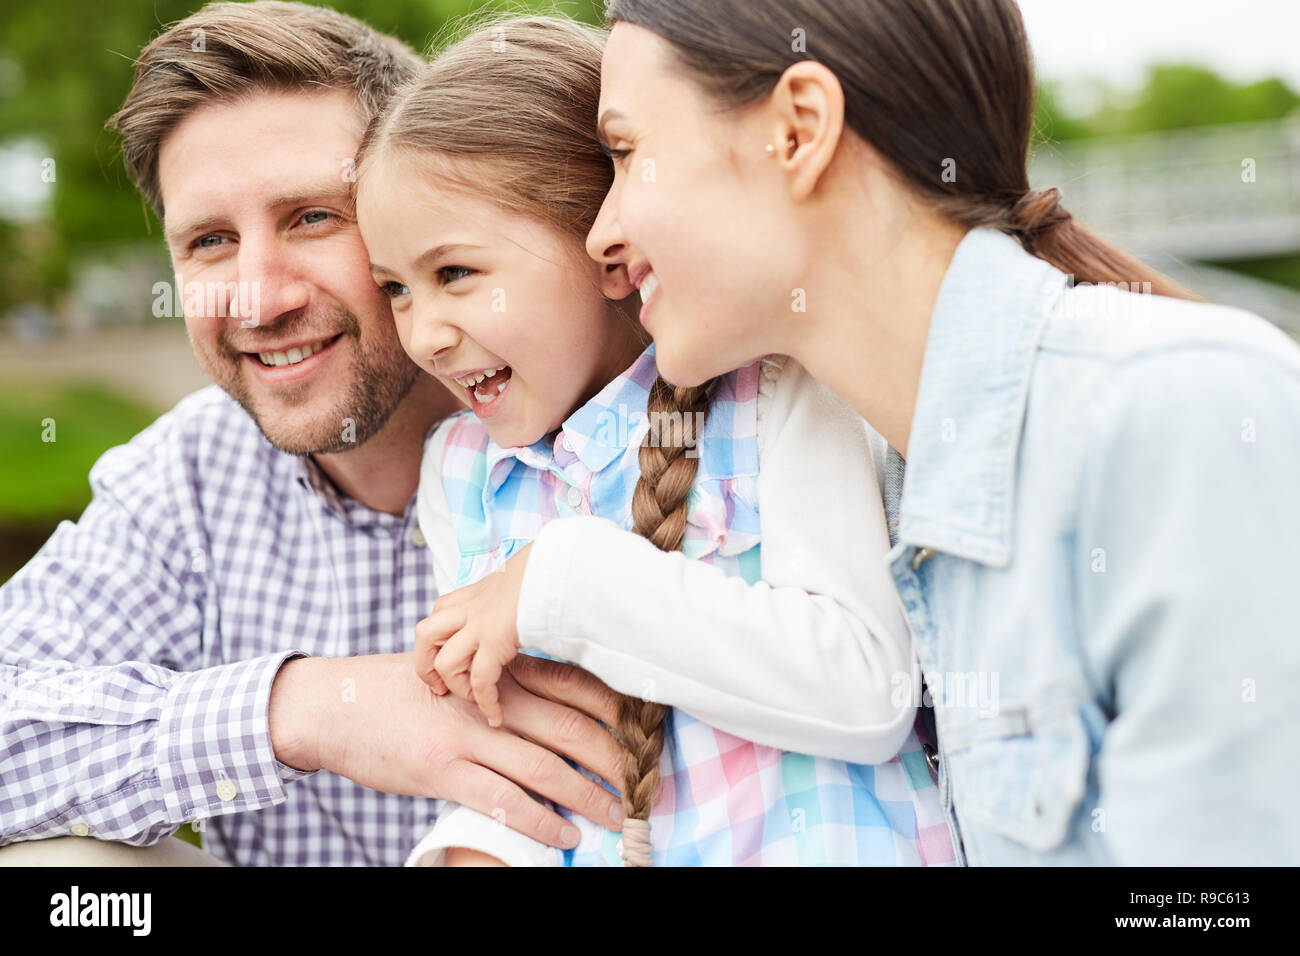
(278, 299)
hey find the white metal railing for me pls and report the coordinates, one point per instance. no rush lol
(1212, 192)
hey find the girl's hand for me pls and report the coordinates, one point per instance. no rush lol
(470, 637)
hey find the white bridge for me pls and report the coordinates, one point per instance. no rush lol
(1211, 192)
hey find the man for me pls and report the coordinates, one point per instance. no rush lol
(184, 653)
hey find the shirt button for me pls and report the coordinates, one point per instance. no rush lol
(575, 498)
(80, 829)
(226, 790)
(564, 442)
(417, 538)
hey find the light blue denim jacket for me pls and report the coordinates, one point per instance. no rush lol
(1098, 548)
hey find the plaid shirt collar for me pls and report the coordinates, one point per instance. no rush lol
(598, 433)
(312, 478)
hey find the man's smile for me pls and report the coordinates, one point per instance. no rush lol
(291, 361)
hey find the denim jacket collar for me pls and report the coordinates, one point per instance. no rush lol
(959, 492)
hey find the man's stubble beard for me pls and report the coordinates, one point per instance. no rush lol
(382, 378)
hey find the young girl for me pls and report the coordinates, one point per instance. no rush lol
(791, 695)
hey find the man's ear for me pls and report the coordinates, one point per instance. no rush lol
(807, 104)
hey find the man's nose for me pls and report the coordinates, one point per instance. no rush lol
(270, 284)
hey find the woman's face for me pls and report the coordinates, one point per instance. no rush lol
(697, 212)
(476, 290)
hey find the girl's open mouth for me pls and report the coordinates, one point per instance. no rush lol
(487, 390)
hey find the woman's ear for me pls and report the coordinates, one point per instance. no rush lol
(808, 107)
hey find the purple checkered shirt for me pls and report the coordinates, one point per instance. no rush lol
(138, 649)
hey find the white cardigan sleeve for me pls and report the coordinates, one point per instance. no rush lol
(816, 658)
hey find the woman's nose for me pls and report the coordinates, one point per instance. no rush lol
(606, 245)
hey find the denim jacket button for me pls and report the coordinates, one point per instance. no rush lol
(931, 757)
(919, 557)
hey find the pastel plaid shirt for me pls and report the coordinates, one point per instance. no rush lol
(138, 648)
(724, 801)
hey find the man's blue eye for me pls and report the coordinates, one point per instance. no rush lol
(202, 241)
(392, 289)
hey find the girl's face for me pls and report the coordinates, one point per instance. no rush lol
(697, 213)
(505, 311)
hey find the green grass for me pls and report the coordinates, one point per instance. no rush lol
(42, 480)
(1282, 270)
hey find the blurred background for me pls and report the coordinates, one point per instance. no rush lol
(1172, 126)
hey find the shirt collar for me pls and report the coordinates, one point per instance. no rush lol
(597, 433)
(313, 478)
(958, 496)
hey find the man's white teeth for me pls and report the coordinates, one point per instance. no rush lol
(469, 381)
(291, 357)
(648, 286)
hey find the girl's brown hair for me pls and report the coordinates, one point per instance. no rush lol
(932, 85)
(518, 97)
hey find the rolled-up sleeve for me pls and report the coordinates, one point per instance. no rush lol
(1189, 549)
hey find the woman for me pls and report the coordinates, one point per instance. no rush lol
(1095, 532)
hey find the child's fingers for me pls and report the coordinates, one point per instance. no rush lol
(453, 662)
(485, 672)
(430, 635)
(436, 683)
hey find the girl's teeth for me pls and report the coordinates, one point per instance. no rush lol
(490, 396)
(469, 381)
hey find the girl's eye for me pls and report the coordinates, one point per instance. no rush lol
(393, 289)
(452, 273)
(315, 212)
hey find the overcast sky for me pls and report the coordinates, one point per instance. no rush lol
(1115, 39)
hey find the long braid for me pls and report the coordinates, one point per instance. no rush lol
(659, 507)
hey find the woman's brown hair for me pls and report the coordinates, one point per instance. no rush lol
(932, 85)
(518, 97)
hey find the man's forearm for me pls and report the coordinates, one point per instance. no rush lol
(292, 713)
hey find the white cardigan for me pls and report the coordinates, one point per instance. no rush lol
(815, 658)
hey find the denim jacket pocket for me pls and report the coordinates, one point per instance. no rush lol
(1026, 778)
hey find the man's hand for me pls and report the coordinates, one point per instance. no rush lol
(371, 719)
